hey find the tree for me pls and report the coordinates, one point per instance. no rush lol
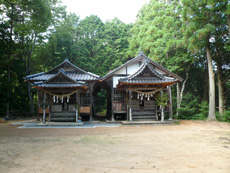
(157, 33)
(201, 23)
(24, 23)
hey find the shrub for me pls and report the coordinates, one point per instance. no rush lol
(189, 106)
(225, 117)
(203, 111)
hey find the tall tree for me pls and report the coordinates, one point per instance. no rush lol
(24, 22)
(157, 33)
(201, 23)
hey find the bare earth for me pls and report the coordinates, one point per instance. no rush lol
(192, 146)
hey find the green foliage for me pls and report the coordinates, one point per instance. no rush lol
(101, 102)
(225, 117)
(189, 107)
(157, 33)
(162, 100)
(203, 111)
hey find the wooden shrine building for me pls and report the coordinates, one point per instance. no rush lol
(134, 87)
(64, 92)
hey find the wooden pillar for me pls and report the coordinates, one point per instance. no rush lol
(77, 104)
(156, 113)
(91, 101)
(130, 109)
(44, 108)
(162, 108)
(38, 102)
(170, 103)
(112, 98)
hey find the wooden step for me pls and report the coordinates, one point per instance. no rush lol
(143, 113)
(66, 119)
(143, 117)
(64, 116)
(152, 119)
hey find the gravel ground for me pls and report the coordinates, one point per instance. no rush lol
(192, 146)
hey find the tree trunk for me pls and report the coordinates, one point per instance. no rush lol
(220, 86)
(8, 73)
(8, 92)
(211, 75)
(206, 87)
(27, 55)
(180, 93)
(178, 99)
(31, 99)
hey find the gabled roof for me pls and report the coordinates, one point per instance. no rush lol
(141, 56)
(82, 75)
(61, 72)
(145, 65)
(154, 78)
(66, 61)
(49, 84)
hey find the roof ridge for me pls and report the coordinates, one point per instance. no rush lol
(66, 61)
(141, 54)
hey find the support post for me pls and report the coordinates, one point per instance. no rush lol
(162, 108)
(112, 98)
(44, 108)
(130, 109)
(91, 101)
(156, 112)
(77, 106)
(38, 102)
(170, 103)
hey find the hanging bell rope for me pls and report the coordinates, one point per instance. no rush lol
(145, 93)
(64, 95)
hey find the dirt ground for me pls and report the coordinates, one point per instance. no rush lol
(192, 146)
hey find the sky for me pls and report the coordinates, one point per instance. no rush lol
(125, 10)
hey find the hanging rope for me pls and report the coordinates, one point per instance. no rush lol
(145, 93)
(64, 95)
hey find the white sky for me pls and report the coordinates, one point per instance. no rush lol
(125, 10)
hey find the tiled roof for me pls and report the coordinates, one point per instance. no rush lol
(81, 75)
(73, 76)
(141, 56)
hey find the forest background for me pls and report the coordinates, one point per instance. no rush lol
(190, 38)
